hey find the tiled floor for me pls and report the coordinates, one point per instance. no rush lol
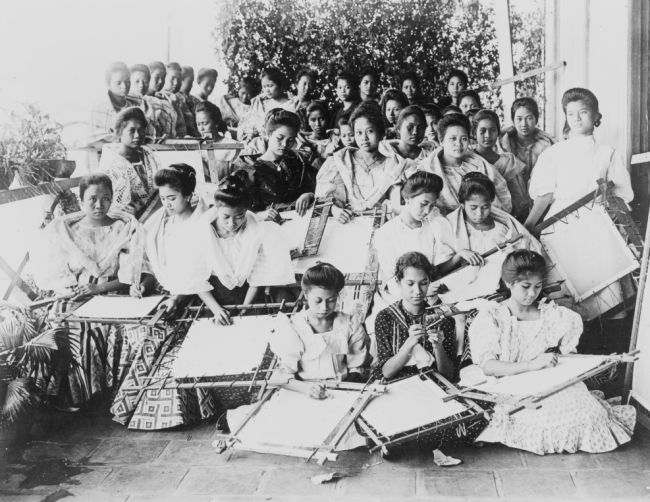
(90, 458)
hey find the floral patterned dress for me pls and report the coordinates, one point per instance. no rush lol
(571, 420)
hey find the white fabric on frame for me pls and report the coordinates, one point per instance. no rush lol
(537, 382)
(213, 350)
(346, 246)
(294, 228)
(118, 307)
(588, 251)
(407, 405)
(192, 158)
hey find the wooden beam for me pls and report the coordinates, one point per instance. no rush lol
(504, 42)
(15, 278)
(50, 188)
(528, 74)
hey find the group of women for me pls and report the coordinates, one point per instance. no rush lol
(455, 186)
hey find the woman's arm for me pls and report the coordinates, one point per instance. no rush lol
(315, 390)
(217, 310)
(100, 289)
(497, 368)
(396, 363)
(443, 363)
(539, 207)
(395, 199)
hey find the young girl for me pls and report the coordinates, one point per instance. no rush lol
(161, 118)
(457, 82)
(515, 337)
(478, 226)
(369, 84)
(305, 83)
(281, 175)
(410, 86)
(347, 96)
(129, 164)
(234, 108)
(392, 102)
(158, 76)
(321, 343)
(454, 159)
(409, 148)
(317, 120)
(510, 167)
(570, 169)
(524, 139)
(360, 178)
(469, 100)
(405, 346)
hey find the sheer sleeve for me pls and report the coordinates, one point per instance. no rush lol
(329, 181)
(504, 199)
(484, 337)
(571, 322)
(445, 242)
(619, 174)
(286, 344)
(191, 273)
(543, 177)
(357, 345)
(273, 265)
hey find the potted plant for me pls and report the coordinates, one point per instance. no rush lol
(31, 148)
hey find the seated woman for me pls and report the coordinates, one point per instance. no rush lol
(469, 100)
(234, 108)
(104, 112)
(321, 343)
(406, 347)
(347, 97)
(391, 104)
(517, 336)
(432, 115)
(162, 122)
(409, 148)
(457, 82)
(206, 79)
(411, 87)
(361, 178)
(93, 252)
(211, 126)
(478, 226)
(305, 83)
(454, 159)
(510, 167)
(274, 95)
(317, 119)
(129, 163)
(185, 121)
(369, 84)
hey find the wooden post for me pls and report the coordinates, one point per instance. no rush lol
(504, 41)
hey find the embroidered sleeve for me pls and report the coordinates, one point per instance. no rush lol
(570, 324)
(357, 345)
(484, 337)
(542, 181)
(273, 266)
(329, 181)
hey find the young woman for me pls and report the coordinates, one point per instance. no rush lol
(510, 167)
(129, 163)
(211, 126)
(171, 92)
(410, 86)
(93, 252)
(570, 169)
(454, 159)
(369, 84)
(469, 100)
(360, 178)
(392, 103)
(305, 83)
(188, 81)
(206, 79)
(514, 337)
(160, 117)
(317, 119)
(524, 138)
(409, 148)
(346, 95)
(432, 115)
(234, 108)
(457, 82)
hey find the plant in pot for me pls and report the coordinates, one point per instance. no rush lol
(31, 148)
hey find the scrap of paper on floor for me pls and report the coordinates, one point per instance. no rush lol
(118, 307)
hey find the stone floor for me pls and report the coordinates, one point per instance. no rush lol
(86, 457)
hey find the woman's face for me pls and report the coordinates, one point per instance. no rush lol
(173, 81)
(366, 135)
(420, 206)
(455, 142)
(368, 86)
(270, 89)
(455, 86)
(525, 122)
(132, 135)
(411, 131)
(172, 200)
(206, 86)
(343, 90)
(321, 302)
(119, 83)
(305, 88)
(96, 202)
(580, 117)
(487, 133)
(468, 103)
(410, 88)
(477, 208)
(431, 132)
(139, 83)
(317, 122)
(157, 80)
(527, 290)
(281, 140)
(347, 135)
(230, 219)
(205, 125)
(392, 111)
(245, 94)
(188, 82)
(414, 285)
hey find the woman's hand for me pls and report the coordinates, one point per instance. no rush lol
(416, 332)
(542, 361)
(170, 305)
(87, 290)
(342, 215)
(222, 317)
(304, 202)
(318, 391)
(471, 257)
(272, 214)
(435, 336)
(138, 290)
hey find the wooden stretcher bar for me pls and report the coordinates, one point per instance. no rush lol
(317, 223)
(50, 188)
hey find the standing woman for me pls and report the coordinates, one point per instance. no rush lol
(457, 82)
(129, 163)
(93, 252)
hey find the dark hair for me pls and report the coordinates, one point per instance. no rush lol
(454, 119)
(460, 74)
(422, 182)
(126, 114)
(187, 71)
(372, 113)
(323, 275)
(279, 117)
(317, 106)
(410, 75)
(521, 264)
(206, 73)
(529, 103)
(413, 259)
(476, 183)
(213, 112)
(369, 70)
(431, 109)
(234, 191)
(392, 95)
(580, 94)
(180, 177)
(173, 66)
(448, 110)
(305, 72)
(116, 67)
(142, 68)
(94, 179)
(469, 93)
(249, 82)
(407, 112)
(487, 115)
(343, 120)
(157, 65)
(349, 77)
(274, 75)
